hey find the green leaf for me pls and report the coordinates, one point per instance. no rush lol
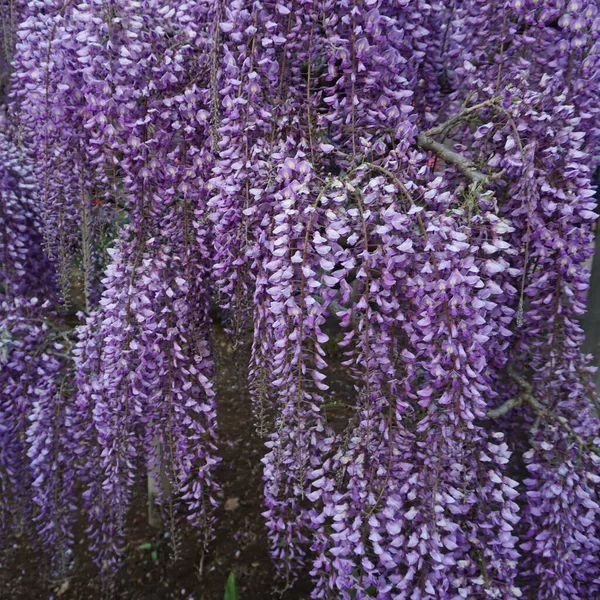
(146, 546)
(231, 589)
(154, 555)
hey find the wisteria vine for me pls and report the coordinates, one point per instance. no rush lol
(407, 184)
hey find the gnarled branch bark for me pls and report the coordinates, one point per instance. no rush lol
(464, 165)
(505, 408)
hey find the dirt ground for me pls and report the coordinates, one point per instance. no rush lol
(240, 545)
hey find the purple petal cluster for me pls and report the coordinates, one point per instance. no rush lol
(407, 184)
(37, 478)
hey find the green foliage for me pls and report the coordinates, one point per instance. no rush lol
(231, 592)
(153, 547)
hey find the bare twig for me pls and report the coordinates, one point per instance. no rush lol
(445, 128)
(501, 410)
(426, 140)
(527, 397)
(464, 165)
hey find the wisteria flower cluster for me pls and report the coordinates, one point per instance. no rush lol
(36, 417)
(407, 184)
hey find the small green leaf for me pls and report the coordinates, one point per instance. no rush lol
(154, 555)
(146, 546)
(231, 589)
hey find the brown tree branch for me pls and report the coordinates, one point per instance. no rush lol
(464, 114)
(426, 140)
(503, 409)
(527, 397)
(464, 165)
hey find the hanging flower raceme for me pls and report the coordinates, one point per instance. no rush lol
(301, 439)
(24, 270)
(384, 502)
(550, 207)
(44, 64)
(158, 123)
(36, 433)
(148, 384)
(247, 72)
